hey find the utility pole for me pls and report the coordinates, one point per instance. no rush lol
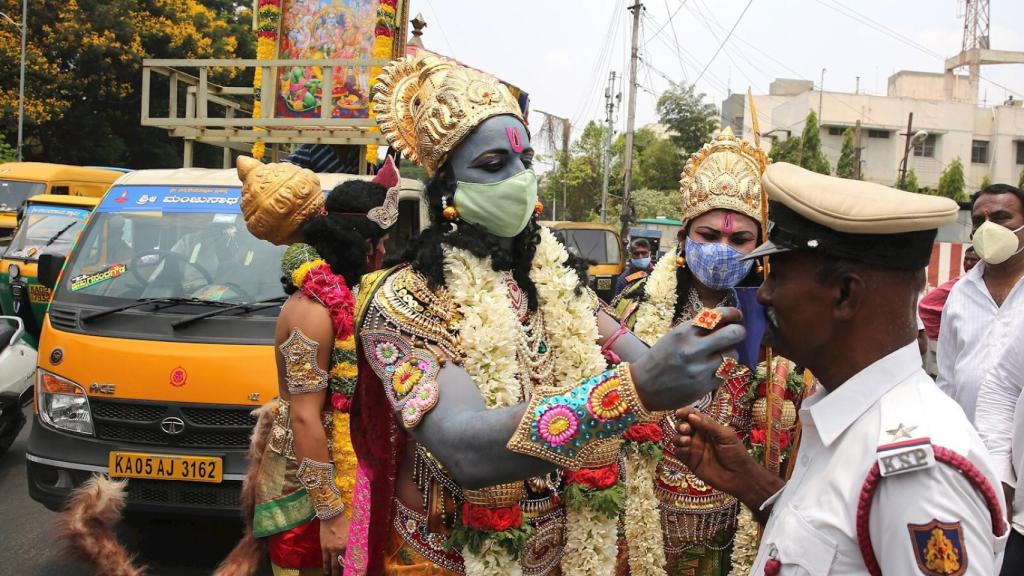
(611, 102)
(821, 94)
(566, 132)
(906, 151)
(856, 151)
(627, 170)
(21, 82)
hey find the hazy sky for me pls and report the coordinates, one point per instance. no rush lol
(560, 51)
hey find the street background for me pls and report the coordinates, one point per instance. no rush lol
(184, 547)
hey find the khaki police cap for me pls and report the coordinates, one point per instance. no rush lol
(850, 218)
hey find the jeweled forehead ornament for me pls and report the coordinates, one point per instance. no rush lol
(724, 174)
(425, 106)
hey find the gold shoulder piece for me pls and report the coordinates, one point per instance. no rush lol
(406, 305)
(301, 372)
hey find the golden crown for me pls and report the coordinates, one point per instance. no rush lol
(277, 199)
(425, 106)
(724, 174)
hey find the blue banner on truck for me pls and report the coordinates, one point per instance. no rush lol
(172, 199)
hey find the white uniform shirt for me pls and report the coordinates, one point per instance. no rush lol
(812, 528)
(1000, 420)
(972, 334)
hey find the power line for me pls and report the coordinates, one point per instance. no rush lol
(722, 45)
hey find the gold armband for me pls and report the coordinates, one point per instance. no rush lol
(580, 427)
(301, 372)
(318, 479)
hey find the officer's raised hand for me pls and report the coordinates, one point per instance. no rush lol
(680, 368)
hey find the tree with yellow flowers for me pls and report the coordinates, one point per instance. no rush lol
(83, 72)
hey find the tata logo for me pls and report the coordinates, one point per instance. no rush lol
(172, 425)
(95, 388)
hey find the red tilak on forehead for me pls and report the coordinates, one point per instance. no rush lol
(727, 223)
(515, 139)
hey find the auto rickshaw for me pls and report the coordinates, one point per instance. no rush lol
(50, 225)
(598, 244)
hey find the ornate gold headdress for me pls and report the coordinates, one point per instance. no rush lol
(277, 198)
(725, 173)
(425, 106)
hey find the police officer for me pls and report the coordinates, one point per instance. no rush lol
(890, 476)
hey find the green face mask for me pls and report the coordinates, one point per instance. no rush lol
(502, 208)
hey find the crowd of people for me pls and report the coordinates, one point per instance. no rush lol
(753, 403)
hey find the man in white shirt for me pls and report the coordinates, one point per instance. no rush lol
(1000, 421)
(983, 304)
(890, 477)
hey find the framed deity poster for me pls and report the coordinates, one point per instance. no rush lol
(328, 29)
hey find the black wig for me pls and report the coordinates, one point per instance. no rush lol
(344, 236)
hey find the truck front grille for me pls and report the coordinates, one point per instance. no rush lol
(224, 495)
(141, 423)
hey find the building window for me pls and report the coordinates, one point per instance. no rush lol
(878, 133)
(836, 130)
(1020, 151)
(979, 151)
(926, 147)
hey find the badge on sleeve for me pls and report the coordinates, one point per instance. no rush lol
(939, 548)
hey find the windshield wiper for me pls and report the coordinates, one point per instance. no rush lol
(59, 233)
(168, 302)
(245, 308)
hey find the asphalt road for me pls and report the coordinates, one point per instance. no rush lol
(168, 546)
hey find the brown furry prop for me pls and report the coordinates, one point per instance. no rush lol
(93, 508)
(247, 555)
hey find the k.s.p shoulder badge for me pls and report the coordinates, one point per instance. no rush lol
(939, 548)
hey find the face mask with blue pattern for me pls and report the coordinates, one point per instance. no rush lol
(716, 265)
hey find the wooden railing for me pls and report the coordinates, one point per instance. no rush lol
(222, 115)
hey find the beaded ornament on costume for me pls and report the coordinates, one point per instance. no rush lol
(311, 275)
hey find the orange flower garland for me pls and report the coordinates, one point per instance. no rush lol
(383, 49)
(268, 18)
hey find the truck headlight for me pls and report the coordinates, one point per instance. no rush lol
(63, 404)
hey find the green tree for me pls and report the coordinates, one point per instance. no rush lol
(691, 119)
(656, 162)
(648, 203)
(1020, 180)
(7, 152)
(579, 179)
(787, 150)
(811, 156)
(911, 185)
(985, 182)
(952, 183)
(846, 167)
(84, 59)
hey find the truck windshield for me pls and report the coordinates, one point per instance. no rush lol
(127, 255)
(14, 192)
(49, 228)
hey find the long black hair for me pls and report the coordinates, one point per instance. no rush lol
(426, 253)
(344, 236)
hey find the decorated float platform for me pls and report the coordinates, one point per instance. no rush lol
(309, 84)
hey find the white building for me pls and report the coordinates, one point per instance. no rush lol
(988, 139)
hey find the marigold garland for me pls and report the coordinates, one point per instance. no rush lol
(641, 452)
(313, 277)
(654, 315)
(573, 335)
(268, 18)
(487, 332)
(383, 49)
